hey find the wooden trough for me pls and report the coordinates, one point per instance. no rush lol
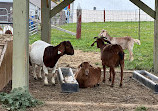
(6, 52)
(147, 79)
(67, 81)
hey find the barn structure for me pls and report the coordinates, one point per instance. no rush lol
(20, 76)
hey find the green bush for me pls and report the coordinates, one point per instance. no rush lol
(141, 108)
(18, 99)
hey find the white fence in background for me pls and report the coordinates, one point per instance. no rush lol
(4, 15)
(33, 28)
(111, 15)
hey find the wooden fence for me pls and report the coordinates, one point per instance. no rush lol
(6, 52)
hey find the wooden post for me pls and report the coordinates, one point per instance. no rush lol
(104, 15)
(45, 21)
(139, 25)
(79, 21)
(156, 39)
(20, 77)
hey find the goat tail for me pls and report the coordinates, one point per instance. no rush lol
(121, 54)
(137, 41)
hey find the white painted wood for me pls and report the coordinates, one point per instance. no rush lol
(20, 77)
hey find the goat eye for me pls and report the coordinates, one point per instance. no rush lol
(67, 45)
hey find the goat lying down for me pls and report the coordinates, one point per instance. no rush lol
(112, 55)
(124, 42)
(87, 75)
(45, 55)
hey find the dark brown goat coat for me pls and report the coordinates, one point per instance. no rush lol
(114, 59)
(90, 80)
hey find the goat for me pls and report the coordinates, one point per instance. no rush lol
(124, 42)
(87, 75)
(8, 32)
(8, 29)
(46, 55)
(112, 55)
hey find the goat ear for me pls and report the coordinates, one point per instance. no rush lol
(93, 43)
(96, 37)
(80, 65)
(107, 41)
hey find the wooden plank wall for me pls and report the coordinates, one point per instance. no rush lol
(6, 64)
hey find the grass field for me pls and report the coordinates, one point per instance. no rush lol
(143, 54)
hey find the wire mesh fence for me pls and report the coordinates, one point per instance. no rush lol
(110, 16)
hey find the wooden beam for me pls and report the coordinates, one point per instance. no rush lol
(20, 77)
(156, 39)
(45, 21)
(59, 7)
(144, 7)
(55, 1)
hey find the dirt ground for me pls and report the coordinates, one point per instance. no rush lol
(102, 98)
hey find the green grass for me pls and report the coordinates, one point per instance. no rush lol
(143, 54)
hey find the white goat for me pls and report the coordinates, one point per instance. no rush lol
(124, 42)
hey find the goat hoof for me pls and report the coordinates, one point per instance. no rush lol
(46, 84)
(35, 78)
(120, 85)
(112, 85)
(98, 84)
(103, 81)
(40, 78)
(109, 79)
(53, 85)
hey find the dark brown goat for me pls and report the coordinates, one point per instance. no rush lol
(87, 75)
(112, 55)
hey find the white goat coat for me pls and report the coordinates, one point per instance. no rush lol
(37, 52)
(7, 27)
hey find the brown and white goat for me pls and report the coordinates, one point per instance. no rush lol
(46, 55)
(112, 55)
(87, 75)
(124, 42)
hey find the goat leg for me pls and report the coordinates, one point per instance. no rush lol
(34, 71)
(39, 75)
(45, 75)
(113, 71)
(53, 79)
(122, 66)
(104, 68)
(130, 54)
(110, 75)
